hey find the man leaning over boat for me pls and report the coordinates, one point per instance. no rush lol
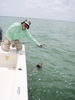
(15, 33)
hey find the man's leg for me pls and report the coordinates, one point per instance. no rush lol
(17, 45)
(5, 45)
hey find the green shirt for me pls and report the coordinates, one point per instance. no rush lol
(15, 32)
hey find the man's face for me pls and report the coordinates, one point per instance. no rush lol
(24, 26)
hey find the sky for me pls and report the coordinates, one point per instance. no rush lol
(46, 9)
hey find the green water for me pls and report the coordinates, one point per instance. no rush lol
(56, 79)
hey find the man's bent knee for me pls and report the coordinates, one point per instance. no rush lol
(5, 45)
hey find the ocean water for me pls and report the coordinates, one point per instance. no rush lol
(56, 79)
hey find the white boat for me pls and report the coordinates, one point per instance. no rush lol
(13, 75)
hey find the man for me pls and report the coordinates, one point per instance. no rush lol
(16, 32)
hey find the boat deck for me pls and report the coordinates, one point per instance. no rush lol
(13, 75)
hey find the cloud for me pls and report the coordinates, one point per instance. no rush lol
(52, 9)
